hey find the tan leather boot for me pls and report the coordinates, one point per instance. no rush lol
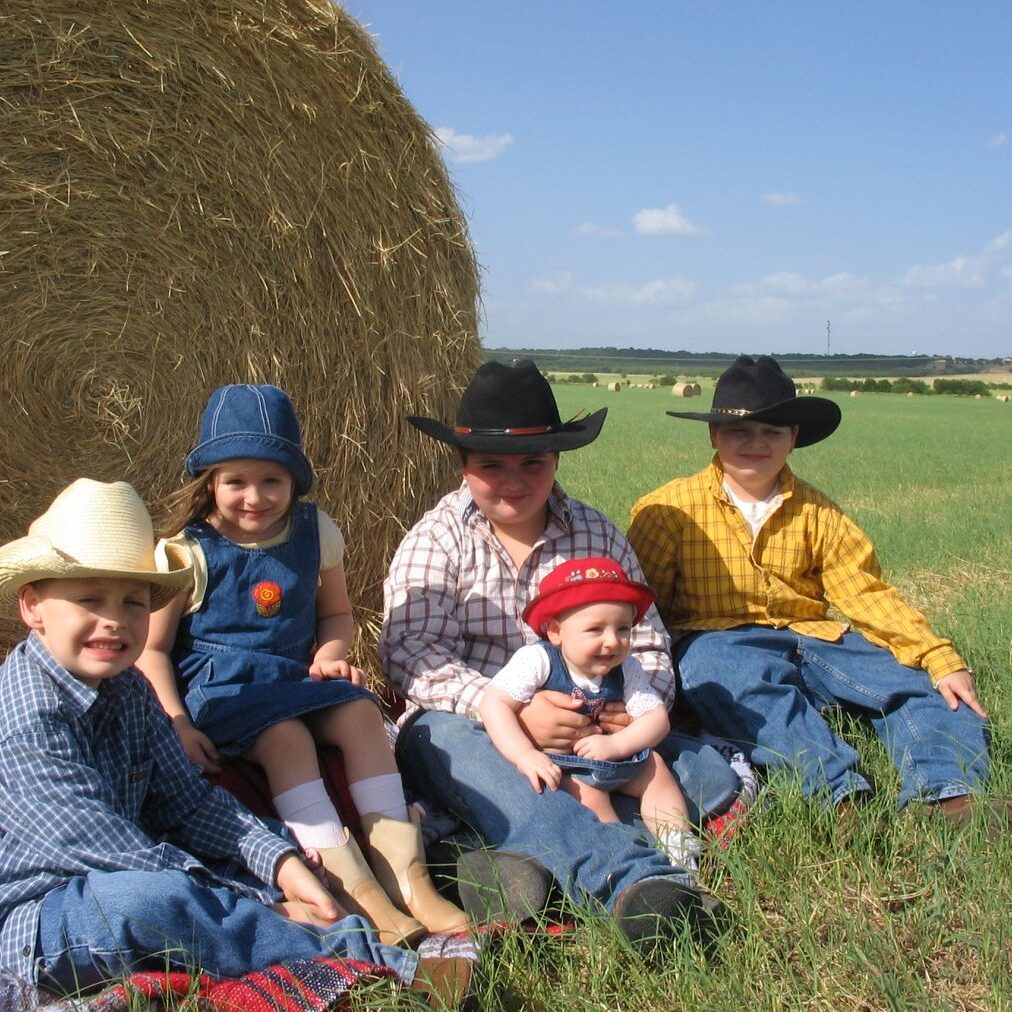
(444, 980)
(355, 887)
(397, 855)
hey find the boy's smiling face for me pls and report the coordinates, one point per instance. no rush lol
(95, 628)
(511, 489)
(752, 454)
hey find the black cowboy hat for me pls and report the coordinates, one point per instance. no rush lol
(511, 409)
(758, 390)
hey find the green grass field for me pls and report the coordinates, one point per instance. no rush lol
(891, 912)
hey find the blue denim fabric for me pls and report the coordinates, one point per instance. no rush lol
(103, 925)
(604, 774)
(451, 760)
(764, 688)
(243, 668)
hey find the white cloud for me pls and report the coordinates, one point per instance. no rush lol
(561, 283)
(661, 291)
(960, 272)
(665, 221)
(999, 243)
(592, 228)
(785, 283)
(782, 199)
(469, 148)
(998, 140)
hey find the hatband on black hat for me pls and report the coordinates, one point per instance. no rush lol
(511, 409)
(758, 390)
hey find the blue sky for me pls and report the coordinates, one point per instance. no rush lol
(724, 177)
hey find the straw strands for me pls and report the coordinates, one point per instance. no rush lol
(198, 192)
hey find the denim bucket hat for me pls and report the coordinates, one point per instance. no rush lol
(251, 420)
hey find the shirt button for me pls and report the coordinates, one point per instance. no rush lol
(26, 951)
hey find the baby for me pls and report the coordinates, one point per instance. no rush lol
(585, 612)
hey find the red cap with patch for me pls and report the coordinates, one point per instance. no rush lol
(585, 581)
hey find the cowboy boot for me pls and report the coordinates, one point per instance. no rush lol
(397, 855)
(355, 887)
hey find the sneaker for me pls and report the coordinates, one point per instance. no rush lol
(497, 885)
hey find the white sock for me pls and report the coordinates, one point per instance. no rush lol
(383, 795)
(311, 816)
(681, 848)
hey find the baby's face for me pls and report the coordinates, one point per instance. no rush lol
(594, 638)
(95, 628)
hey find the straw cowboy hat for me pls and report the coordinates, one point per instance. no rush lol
(758, 390)
(578, 582)
(92, 529)
(257, 421)
(511, 409)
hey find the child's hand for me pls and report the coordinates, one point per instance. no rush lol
(600, 747)
(307, 900)
(538, 769)
(551, 720)
(614, 717)
(959, 687)
(322, 670)
(198, 747)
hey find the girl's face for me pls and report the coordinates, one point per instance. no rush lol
(252, 499)
(511, 489)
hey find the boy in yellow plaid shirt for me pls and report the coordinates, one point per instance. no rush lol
(746, 559)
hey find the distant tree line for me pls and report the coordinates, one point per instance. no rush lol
(906, 385)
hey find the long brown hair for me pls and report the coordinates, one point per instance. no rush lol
(194, 501)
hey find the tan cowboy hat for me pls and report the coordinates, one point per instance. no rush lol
(92, 529)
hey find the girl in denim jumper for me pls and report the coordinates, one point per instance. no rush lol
(585, 610)
(252, 662)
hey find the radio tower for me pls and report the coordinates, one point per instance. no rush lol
(827, 338)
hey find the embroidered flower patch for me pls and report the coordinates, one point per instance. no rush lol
(267, 597)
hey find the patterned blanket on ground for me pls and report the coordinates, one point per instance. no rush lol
(305, 985)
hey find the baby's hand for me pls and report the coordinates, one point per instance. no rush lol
(198, 747)
(600, 747)
(538, 769)
(959, 687)
(322, 670)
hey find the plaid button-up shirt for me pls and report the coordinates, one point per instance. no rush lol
(454, 600)
(708, 572)
(96, 780)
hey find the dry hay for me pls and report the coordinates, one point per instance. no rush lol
(615, 387)
(197, 193)
(855, 393)
(684, 390)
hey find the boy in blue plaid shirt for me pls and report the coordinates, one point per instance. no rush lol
(114, 854)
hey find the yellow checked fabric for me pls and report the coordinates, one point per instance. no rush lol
(699, 557)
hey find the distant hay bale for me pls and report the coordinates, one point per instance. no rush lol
(978, 397)
(615, 387)
(684, 390)
(696, 390)
(595, 383)
(197, 194)
(855, 393)
(910, 393)
(1004, 398)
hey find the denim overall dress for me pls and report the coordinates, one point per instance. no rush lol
(604, 774)
(242, 659)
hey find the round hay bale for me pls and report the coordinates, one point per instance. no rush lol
(595, 383)
(855, 393)
(615, 387)
(198, 194)
(696, 390)
(910, 393)
(683, 390)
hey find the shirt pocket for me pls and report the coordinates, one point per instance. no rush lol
(136, 784)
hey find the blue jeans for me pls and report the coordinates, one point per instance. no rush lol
(764, 688)
(451, 759)
(104, 925)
